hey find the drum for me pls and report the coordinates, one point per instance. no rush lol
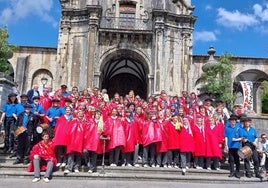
(19, 130)
(40, 128)
(245, 152)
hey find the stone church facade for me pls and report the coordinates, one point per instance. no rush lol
(122, 45)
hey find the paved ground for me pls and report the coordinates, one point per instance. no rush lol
(26, 183)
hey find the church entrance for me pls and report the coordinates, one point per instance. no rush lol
(124, 74)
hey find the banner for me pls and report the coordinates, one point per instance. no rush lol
(247, 87)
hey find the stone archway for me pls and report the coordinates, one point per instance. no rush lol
(256, 77)
(39, 74)
(124, 72)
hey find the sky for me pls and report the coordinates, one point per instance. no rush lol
(238, 27)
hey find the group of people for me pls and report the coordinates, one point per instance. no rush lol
(66, 128)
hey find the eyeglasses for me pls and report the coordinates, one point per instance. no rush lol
(264, 137)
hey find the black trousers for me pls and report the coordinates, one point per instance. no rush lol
(9, 126)
(23, 146)
(234, 160)
(255, 159)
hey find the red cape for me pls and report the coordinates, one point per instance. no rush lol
(45, 152)
(61, 131)
(151, 132)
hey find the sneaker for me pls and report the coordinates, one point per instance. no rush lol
(208, 168)
(153, 166)
(145, 166)
(165, 166)
(63, 164)
(90, 171)
(137, 165)
(66, 171)
(157, 166)
(176, 166)
(76, 170)
(35, 180)
(199, 167)
(169, 166)
(183, 171)
(129, 165)
(187, 167)
(218, 169)
(122, 164)
(58, 164)
(113, 164)
(46, 179)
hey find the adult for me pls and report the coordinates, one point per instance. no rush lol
(33, 93)
(9, 117)
(250, 139)
(263, 153)
(27, 122)
(232, 136)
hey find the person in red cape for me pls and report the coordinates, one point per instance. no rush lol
(42, 154)
(92, 143)
(138, 121)
(131, 135)
(200, 143)
(75, 142)
(186, 144)
(151, 134)
(61, 136)
(45, 100)
(214, 141)
(162, 147)
(114, 129)
(173, 141)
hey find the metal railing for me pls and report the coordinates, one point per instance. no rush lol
(125, 23)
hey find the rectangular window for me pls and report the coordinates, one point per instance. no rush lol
(127, 15)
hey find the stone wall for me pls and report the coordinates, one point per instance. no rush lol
(6, 85)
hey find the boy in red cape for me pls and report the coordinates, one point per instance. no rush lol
(42, 154)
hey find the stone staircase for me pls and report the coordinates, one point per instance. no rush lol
(8, 170)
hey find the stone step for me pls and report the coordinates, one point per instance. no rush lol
(134, 177)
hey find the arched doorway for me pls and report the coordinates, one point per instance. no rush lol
(256, 77)
(123, 74)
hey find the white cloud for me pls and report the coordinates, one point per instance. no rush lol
(205, 36)
(260, 12)
(208, 7)
(18, 10)
(236, 19)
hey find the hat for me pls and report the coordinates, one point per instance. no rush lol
(67, 100)
(36, 97)
(27, 105)
(208, 99)
(219, 101)
(247, 119)
(55, 100)
(12, 95)
(63, 86)
(232, 118)
(23, 95)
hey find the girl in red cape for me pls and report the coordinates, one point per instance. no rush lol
(151, 134)
(92, 143)
(162, 147)
(214, 141)
(200, 142)
(173, 141)
(186, 144)
(61, 136)
(131, 139)
(42, 154)
(75, 142)
(114, 129)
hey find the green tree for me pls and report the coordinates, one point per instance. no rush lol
(265, 97)
(217, 81)
(6, 51)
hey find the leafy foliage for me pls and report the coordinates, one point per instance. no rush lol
(217, 81)
(6, 51)
(265, 97)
